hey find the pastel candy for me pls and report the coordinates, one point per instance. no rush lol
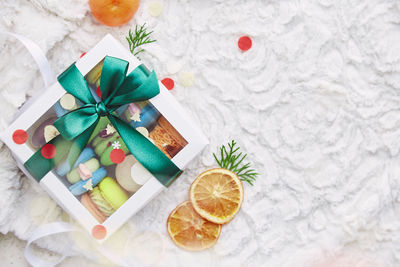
(148, 118)
(74, 177)
(38, 139)
(131, 110)
(79, 189)
(85, 155)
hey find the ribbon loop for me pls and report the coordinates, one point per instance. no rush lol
(101, 109)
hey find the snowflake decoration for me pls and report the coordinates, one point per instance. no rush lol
(136, 116)
(89, 185)
(110, 129)
(116, 145)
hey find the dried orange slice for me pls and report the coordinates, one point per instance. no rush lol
(217, 195)
(189, 230)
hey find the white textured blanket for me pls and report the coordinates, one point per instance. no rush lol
(315, 102)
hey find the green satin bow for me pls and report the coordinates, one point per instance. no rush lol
(76, 127)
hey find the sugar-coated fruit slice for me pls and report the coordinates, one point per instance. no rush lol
(123, 174)
(112, 192)
(189, 230)
(38, 139)
(74, 177)
(79, 187)
(20, 136)
(86, 154)
(100, 202)
(92, 208)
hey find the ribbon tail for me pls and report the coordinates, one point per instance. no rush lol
(38, 166)
(145, 152)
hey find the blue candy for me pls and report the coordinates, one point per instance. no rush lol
(85, 155)
(59, 109)
(78, 189)
(149, 116)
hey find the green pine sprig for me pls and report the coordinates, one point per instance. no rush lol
(138, 38)
(232, 160)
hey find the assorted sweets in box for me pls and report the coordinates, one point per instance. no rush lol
(105, 184)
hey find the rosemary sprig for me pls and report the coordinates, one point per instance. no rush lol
(138, 38)
(233, 161)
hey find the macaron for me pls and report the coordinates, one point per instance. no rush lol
(100, 202)
(123, 174)
(105, 158)
(148, 118)
(38, 139)
(100, 144)
(74, 176)
(112, 192)
(86, 154)
(83, 186)
(88, 203)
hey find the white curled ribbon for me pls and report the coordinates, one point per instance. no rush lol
(56, 227)
(43, 231)
(38, 56)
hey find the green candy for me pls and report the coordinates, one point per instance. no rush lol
(105, 157)
(102, 124)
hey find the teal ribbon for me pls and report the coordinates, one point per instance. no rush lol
(76, 127)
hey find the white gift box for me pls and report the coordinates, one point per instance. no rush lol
(164, 102)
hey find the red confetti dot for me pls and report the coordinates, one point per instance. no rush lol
(84, 53)
(19, 137)
(48, 151)
(168, 82)
(98, 91)
(244, 43)
(99, 231)
(117, 156)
